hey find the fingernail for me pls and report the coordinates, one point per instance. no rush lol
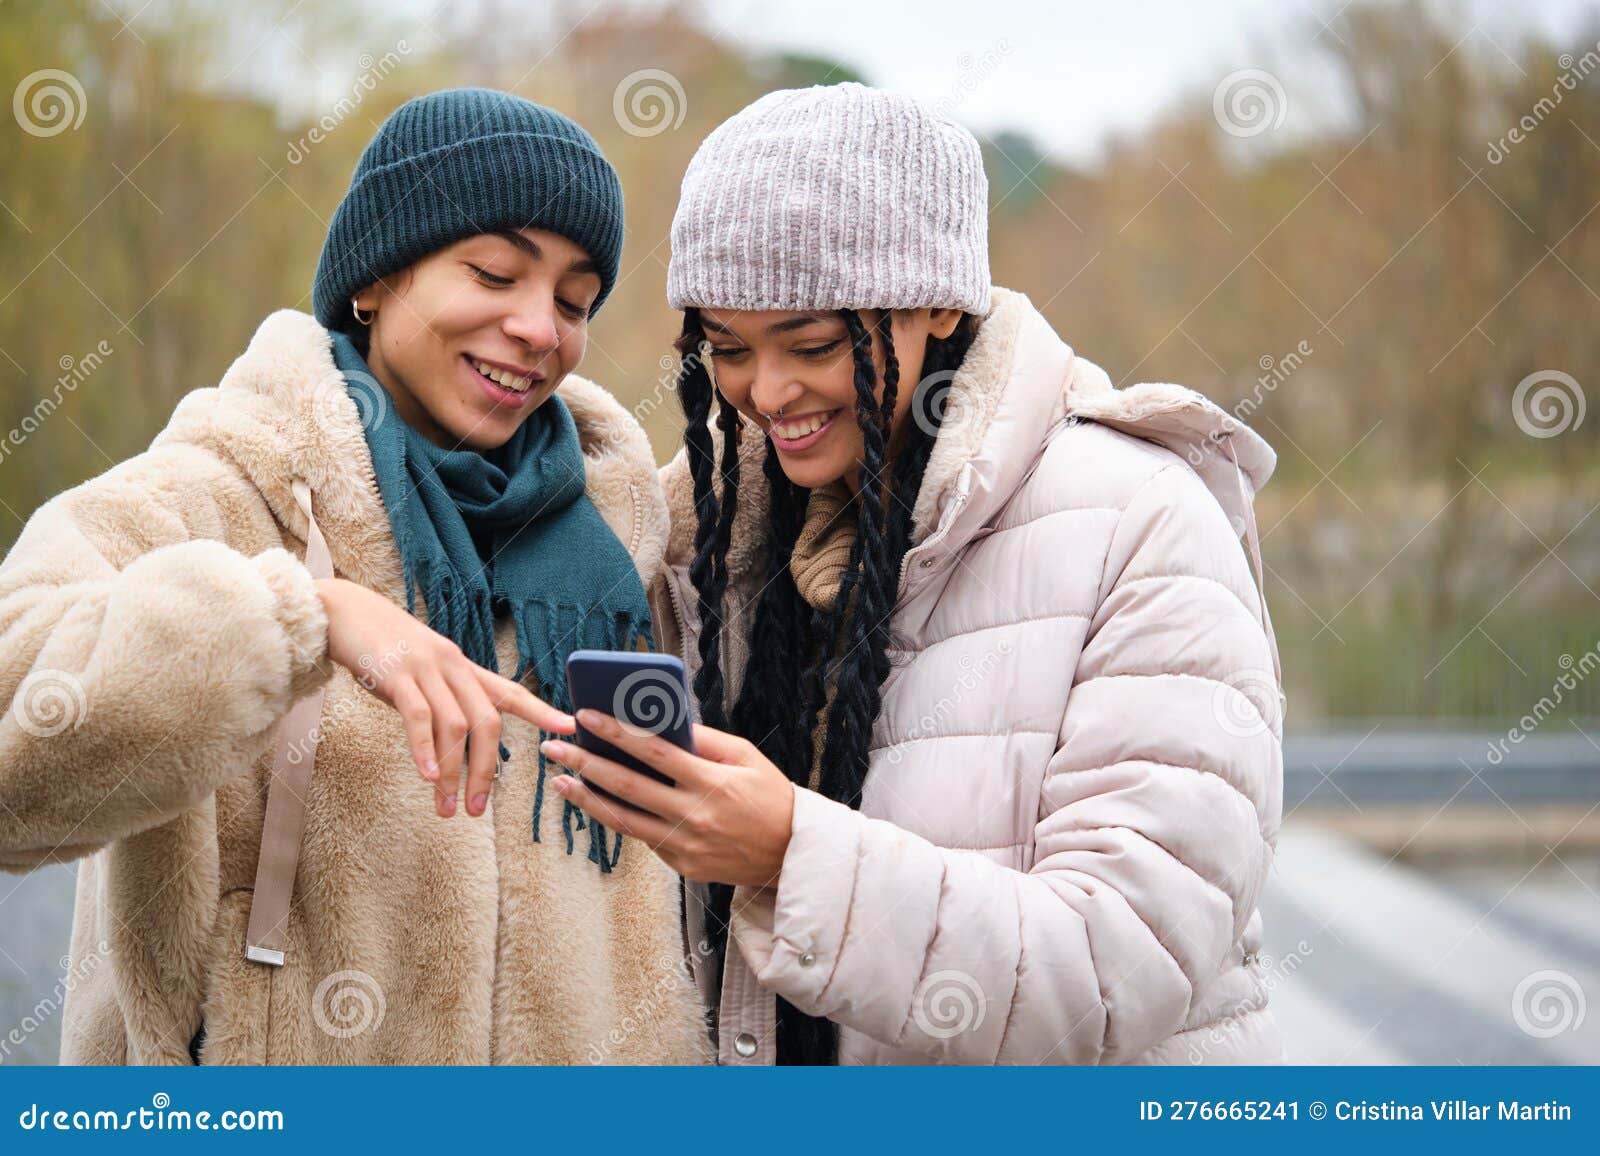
(449, 805)
(553, 748)
(590, 719)
(478, 803)
(559, 784)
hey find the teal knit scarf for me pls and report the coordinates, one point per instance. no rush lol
(511, 531)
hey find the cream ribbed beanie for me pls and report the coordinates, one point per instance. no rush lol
(833, 197)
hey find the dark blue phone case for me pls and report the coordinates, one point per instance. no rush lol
(649, 692)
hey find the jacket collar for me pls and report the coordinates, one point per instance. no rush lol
(282, 412)
(1017, 384)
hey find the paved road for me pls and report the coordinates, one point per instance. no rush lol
(1372, 962)
(1376, 962)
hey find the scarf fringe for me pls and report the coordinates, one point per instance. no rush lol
(571, 628)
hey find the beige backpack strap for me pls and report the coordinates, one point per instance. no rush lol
(1253, 543)
(286, 797)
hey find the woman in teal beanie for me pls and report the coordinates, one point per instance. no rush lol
(333, 598)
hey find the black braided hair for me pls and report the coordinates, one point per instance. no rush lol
(707, 570)
(794, 651)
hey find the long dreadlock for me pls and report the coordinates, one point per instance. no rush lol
(794, 661)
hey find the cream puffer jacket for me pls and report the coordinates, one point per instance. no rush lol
(1076, 775)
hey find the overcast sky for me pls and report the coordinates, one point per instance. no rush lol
(1068, 72)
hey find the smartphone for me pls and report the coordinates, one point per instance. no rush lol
(646, 693)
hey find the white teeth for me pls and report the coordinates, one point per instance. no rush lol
(794, 430)
(504, 377)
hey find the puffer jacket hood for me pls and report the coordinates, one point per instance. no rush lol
(1076, 773)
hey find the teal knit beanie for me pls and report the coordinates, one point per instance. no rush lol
(458, 163)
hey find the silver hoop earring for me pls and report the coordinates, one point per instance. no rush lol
(356, 309)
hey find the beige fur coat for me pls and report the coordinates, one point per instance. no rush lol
(156, 623)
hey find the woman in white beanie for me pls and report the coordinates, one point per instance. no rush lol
(991, 769)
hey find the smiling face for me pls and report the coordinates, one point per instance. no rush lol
(802, 363)
(473, 338)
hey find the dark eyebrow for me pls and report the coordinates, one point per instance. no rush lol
(583, 265)
(776, 327)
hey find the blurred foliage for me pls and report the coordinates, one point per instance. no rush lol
(1370, 295)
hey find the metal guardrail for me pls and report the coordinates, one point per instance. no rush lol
(1403, 764)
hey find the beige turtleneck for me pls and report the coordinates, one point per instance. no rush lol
(822, 549)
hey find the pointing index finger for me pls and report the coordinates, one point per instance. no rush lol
(517, 699)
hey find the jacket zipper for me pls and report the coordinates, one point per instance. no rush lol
(677, 609)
